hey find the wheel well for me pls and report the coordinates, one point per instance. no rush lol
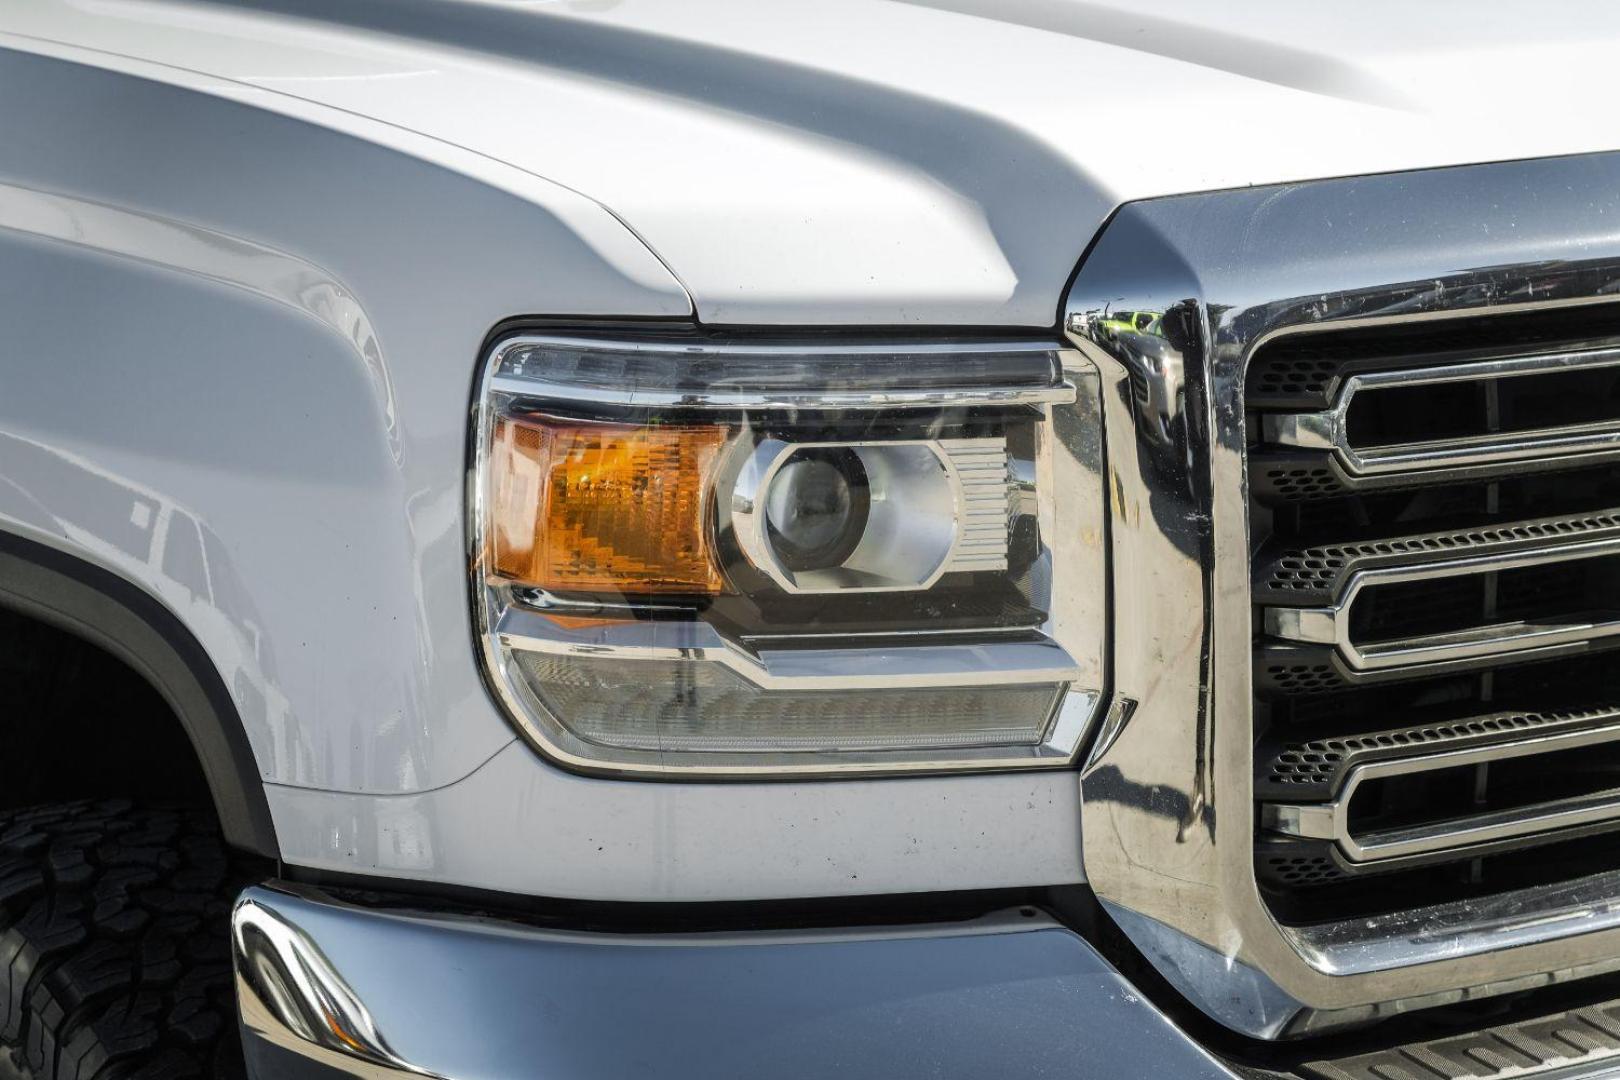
(79, 724)
(103, 692)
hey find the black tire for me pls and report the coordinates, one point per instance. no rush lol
(114, 945)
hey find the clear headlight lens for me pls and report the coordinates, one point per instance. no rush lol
(735, 557)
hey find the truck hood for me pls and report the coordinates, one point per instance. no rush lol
(902, 161)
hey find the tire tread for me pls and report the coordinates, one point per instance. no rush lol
(114, 944)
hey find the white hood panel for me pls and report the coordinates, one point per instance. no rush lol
(888, 161)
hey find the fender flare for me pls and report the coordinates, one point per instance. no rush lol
(109, 612)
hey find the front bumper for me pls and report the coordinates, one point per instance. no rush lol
(327, 988)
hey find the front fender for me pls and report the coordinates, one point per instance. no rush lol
(236, 366)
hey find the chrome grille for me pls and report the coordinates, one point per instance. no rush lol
(1432, 698)
(1272, 298)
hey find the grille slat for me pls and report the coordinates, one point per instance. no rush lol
(1297, 769)
(1296, 575)
(1487, 414)
(1479, 605)
(1388, 806)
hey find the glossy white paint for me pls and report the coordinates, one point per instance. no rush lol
(873, 161)
(237, 372)
(519, 827)
(236, 369)
(248, 256)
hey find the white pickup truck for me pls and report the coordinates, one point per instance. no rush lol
(866, 538)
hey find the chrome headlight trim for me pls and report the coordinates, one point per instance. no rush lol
(1069, 652)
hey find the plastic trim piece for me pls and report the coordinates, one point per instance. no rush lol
(105, 610)
(1580, 1044)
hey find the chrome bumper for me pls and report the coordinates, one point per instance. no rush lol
(330, 989)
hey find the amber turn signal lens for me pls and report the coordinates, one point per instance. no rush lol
(587, 507)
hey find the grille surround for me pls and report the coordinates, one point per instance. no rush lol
(1168, 814)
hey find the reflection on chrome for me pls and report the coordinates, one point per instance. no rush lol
(1155, 377)
(289, 993)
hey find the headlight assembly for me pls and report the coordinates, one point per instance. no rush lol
(734, 557)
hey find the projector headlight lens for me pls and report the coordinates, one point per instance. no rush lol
(749, 558)
(817, 508)
(861, 517)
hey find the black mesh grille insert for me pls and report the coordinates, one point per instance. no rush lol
(1286, 575)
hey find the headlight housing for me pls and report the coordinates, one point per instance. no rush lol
(738, 557)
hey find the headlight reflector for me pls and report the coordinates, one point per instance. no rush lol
(735, 557)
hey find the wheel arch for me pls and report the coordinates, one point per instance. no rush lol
(105, 610)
